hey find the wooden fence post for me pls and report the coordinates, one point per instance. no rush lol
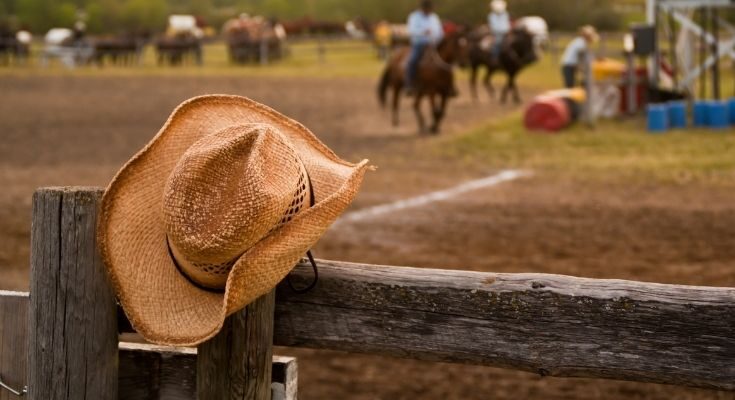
(236, 364)
(73, 319)
(13, 344)
(589, 87)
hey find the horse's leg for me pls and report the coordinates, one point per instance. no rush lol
(417, 110)
(506, 89)
(488, 82)
(396, 103)
(438, 111)
(516, 95)
(473, 81)
(435, 114)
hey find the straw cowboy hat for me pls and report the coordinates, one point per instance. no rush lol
(590, 33)
(498, 6)
(214, 212)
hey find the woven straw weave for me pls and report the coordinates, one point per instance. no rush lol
(224, 182)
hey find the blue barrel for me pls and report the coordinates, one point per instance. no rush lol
(701, 110)
(658, 118)
(717, 117)
(677, 114)
(731, 108)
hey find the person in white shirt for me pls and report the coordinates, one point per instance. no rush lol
(571, 58)
(424, 29)
(499, 22)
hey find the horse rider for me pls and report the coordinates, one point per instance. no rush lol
(424, 29)
(572, 58)
(498, 20)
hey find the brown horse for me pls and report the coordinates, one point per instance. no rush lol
(435, 78)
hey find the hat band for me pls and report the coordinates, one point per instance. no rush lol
(189, 270)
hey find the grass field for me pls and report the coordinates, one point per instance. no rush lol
(614, 150)
(341, 59)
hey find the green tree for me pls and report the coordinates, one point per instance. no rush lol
(64, 14)
(144, 14)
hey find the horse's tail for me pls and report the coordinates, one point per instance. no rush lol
(383, 85)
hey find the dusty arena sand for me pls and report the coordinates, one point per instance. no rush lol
(68, 130)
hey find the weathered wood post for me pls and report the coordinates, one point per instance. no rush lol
(73, 320)
(589, 87)
(13, 326)
(237, 363)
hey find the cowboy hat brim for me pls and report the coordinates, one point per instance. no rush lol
(163, 305)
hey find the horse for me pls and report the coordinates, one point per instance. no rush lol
(14, 45)
(518, 51)
(176, 49)
(434, 79)
(125, 49)
(8, 45)
(247, 38)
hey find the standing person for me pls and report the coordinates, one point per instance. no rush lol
(424, 29)
(572, 57)
(499, 22)
(383, 36)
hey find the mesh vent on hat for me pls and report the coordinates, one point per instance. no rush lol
(300, 199)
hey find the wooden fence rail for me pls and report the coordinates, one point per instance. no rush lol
(143, 371)
(548, 324)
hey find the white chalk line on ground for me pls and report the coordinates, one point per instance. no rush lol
(493, 180)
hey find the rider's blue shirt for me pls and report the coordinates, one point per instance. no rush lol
(424, 29)
(499, 22)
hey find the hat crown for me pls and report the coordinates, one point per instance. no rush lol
(226, 193)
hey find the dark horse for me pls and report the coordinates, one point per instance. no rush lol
(435, 78)
(517, 52)
(125, 49)
(179, 48)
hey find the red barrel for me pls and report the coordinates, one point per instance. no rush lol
(548, 114)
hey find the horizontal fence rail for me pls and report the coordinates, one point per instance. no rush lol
(145, 371)
(548, 324)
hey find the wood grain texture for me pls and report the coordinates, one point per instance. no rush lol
(13, 341)
(549, 324)
(149, 372)
(156, 373)
(236, 364)
(284, 380)
(73, 323)
(146, 371)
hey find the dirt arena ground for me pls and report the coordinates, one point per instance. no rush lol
(75, 130)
